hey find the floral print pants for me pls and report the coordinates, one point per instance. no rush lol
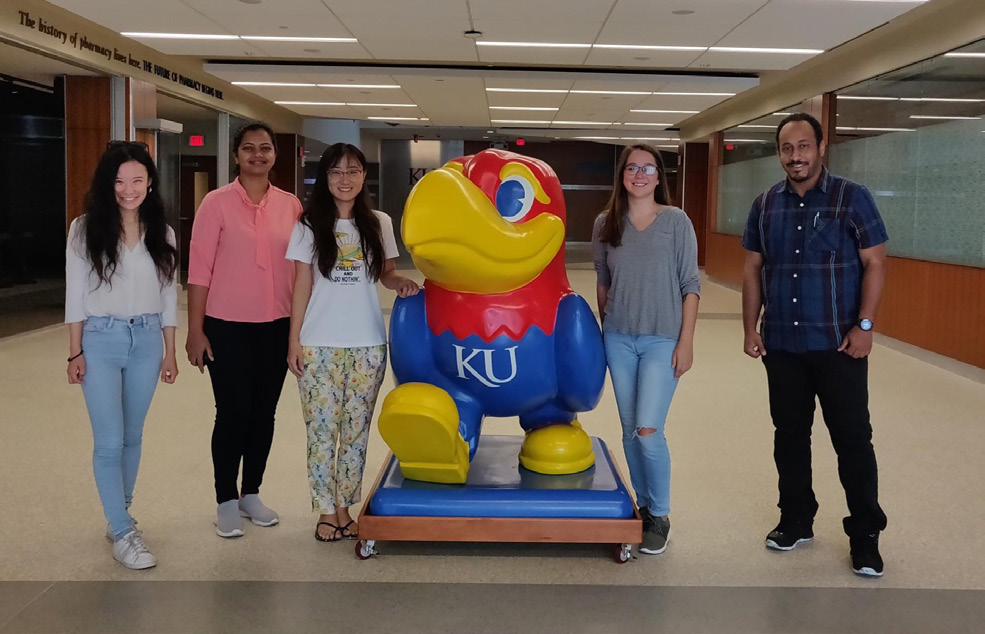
(338, 395)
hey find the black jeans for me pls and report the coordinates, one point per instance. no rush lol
(840, 383)
(247, 378)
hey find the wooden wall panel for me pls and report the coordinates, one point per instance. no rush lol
(694, 193)
(939, 307)
(287, 172)
(725, 258)
(87, 130)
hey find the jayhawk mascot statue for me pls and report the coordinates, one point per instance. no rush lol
(497, 330)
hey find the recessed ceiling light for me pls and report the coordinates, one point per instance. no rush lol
(367, 86)
(959, 54)
(754, 49)
(489, 132)
(876, 129)
(536, 90)
(535, 44)
(180, 36)
(279, 38)
(398, 118)
(309, 103)
(695, 94)
(522, 108)
(648, 47)
(930, 116)
(756, 125)
(942, 100)
(609, 92)
(472, 34)
(746, 141)
(667, 111)
(664, 125)
(279, 84)
(525, 121)
(581, 122)
(383, 105)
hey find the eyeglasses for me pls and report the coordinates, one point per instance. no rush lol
(139, 145)
(649, 170)
(334, 175)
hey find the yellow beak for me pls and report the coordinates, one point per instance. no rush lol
(458, 240)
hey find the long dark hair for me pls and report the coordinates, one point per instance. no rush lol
(321, 213)
(615, 209)
(103, 224)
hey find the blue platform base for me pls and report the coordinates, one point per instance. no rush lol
(498, 486)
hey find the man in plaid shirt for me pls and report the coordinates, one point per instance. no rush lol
(816, 250)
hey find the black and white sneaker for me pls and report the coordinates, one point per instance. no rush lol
(789, 536)
(866, 560)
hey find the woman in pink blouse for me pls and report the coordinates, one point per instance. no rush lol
(239, 307)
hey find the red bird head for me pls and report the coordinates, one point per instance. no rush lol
(489, 223)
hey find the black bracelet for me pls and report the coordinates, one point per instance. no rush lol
(71, 359)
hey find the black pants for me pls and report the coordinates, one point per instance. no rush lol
(247, 378)
(840, 383)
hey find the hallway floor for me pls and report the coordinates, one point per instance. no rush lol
(716, 575)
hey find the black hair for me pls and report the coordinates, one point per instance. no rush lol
(103, 224)
(321, 213)
(615, 209)
(251, 127)
(801, 116)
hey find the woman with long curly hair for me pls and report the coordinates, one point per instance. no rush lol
(120, 302)
(341, 248)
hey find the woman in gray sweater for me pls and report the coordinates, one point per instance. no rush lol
(645, 254)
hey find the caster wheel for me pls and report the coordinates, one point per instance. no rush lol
(622, 553)
(364, 549)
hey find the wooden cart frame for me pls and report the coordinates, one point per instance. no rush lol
(622, 533)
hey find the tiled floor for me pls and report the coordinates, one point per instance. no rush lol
(715, 577)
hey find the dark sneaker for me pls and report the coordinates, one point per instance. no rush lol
(655, 536)
(866, 560)
(788, 536)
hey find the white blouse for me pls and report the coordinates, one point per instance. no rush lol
(134, 289)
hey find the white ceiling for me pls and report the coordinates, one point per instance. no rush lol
(445, 77)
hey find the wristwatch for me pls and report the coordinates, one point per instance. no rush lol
(865, 325)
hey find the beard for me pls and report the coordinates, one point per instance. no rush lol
(803, 176)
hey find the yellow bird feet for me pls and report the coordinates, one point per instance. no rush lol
(557, 449)
(419, 422)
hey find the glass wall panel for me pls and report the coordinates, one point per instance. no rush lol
(749, 167)
(914, 137)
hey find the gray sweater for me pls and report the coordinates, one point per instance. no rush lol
(648, 275)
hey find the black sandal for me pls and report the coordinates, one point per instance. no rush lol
(337, 533)
(348, 534)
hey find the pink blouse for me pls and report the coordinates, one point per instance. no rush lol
(237, 251)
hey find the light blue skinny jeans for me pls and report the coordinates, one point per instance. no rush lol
(644, 384)
(123, 362)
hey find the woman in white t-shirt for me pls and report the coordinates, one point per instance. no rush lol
(341, 248)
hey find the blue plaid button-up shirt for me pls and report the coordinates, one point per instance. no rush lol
(812, 273)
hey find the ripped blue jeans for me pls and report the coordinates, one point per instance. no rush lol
(644, 384)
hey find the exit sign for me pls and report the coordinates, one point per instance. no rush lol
(196, 140)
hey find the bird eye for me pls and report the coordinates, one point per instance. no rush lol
(514, 198)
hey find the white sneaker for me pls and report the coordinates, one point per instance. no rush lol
(131, 551)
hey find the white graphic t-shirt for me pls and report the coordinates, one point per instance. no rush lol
(344, 309)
